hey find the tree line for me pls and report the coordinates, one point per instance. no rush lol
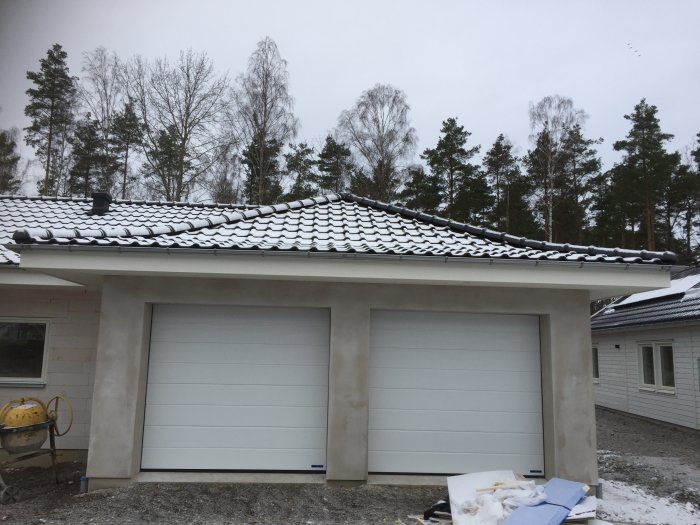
(178, 130)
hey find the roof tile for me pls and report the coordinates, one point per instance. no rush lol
(330, 223)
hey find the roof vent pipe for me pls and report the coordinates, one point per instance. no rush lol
(100, 203)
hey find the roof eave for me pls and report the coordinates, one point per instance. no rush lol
(600, 279)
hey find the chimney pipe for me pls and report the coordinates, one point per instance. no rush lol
(100, 203)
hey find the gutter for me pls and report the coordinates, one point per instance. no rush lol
(19, 248)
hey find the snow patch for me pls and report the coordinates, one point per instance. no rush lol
(677, 286)
(628, 503)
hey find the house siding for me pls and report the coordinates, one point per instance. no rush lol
(73, 317)
(618, 385)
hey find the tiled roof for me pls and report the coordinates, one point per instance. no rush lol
(18, 213)
(341, 223)
(681, 306)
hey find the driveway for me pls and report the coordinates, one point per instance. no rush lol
(662, 459)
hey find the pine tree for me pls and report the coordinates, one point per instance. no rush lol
(263, 179)
(163, 172)
(10, 181)
(449, 161)
(543, 164)
(83, 177)
(423, 191)
(511, 209)
(50, 109)
(572, 189)
(615, 214)
(681, 201)
(301, 168)
(474, 201)
(126, 136)
(335, 166)
(649, 163)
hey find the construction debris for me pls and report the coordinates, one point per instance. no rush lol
(502, 498)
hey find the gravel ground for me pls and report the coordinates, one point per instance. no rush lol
(663, 459)
(44, 502)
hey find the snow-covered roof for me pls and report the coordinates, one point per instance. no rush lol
(342, 223)
(17, 212)
(679, 302)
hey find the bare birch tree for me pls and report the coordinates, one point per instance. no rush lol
(550, 121)
(180, 106)
(101, 95)
(263, 117)
(378, 130)
(101, 88)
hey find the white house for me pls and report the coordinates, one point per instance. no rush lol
(646, 352)
(337, 335)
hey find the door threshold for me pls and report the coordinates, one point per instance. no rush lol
(228, 477)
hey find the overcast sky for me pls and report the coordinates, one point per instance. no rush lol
(482, 62)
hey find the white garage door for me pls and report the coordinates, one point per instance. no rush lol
(237, 388)
(454, 393)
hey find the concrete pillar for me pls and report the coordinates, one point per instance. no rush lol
(571, 377)
(348, 394)
(120, 368)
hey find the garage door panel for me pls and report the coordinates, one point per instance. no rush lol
(464, 380)
(235, 331)
(237, 388)
(426, 339)
(456, 442)
(440, 399)
(232, 416)
(440, 463)
(450, 359)
(454, 392)
(233, 352)
(248, 395)
(244, 459)
(456, 421)
(243, 437)
(224, 373)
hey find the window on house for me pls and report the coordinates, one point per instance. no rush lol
(22, 351)
(596, 370)
(656, 367)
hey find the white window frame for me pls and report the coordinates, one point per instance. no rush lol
(596, 363)
(657, 386)
(30, 381)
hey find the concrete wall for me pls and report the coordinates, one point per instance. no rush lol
(120, 376)
(618, 386)
(73, 317)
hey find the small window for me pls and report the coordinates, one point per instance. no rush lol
(648, 365)
(596, 370)
(668, 377)
(656, 367)
(22, 351)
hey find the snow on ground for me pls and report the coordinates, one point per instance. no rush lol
(630, 504)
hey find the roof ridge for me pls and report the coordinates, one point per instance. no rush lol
(28, 235)
(667, 256)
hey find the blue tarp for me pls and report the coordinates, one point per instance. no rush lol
(562, 496)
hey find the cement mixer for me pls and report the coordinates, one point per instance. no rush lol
(24, 426)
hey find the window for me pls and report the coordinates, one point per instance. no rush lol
(596, 370)
(22, 351)
(656, 369)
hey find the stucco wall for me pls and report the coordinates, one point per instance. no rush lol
(117, 422)
(73, 317)
(618, 386)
